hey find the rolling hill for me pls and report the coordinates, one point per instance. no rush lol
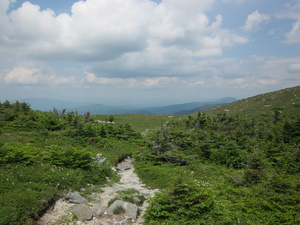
(285, 101)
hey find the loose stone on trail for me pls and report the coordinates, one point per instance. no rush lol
(93, 208)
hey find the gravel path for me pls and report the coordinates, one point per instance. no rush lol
(60, 213)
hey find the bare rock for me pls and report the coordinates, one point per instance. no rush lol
(75, 197)
(124, 167)
(131, 210)
(100, 159)
(82, 211)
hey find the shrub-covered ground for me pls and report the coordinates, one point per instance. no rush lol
(44, 154)
(223, 169)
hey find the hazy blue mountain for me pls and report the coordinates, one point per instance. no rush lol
(198, 109)
(219, 102)
(226, 100)
(192, 106)
(105, 109)
(162, 110)
(47, 104)
(82, 107)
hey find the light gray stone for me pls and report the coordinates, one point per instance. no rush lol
(100, 159)
(82, 190)
(131, 210)
(75, 197)
(99, 156)
(124, 167)
(82, 211)
(99, 213)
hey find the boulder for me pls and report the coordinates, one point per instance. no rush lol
(123, 167)
(137, 200)
(130, 210)
(82, 190)
(100, 159)
(82, 212)
(75, 197)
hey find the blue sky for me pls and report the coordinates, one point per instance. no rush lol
(143, 52)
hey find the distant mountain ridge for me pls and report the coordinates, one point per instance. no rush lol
(185, 108)
(188, 107)
(47, 104)
(198, 109)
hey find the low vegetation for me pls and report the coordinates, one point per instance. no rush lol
(44, 154)
(235, 164)
(228, 169)
(285, 101)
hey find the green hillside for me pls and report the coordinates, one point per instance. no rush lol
(140, 122)
(286, 101)
(235, 164)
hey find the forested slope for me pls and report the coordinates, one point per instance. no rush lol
(228, 168)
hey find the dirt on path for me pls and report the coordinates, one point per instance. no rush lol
(60, 213)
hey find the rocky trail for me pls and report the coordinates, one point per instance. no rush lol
(92, 209)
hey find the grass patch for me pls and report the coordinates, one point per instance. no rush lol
(27, 191)
(156, 176)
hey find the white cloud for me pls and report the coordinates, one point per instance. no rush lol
(197, 83)
(237, 81)
(108, 29)
(254, 21)
(256, 72)
(189, 6)
(292, 11)
(156, 82)
(138, 44)
(91, 78)
(159, 81)
(294, 35)
(267, 82)
(95, 30)
(4, 6)
(25, 75)
(294, 68)
(237, 1)
(60, 80)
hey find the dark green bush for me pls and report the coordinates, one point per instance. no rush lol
(185, 201)
(69, 157)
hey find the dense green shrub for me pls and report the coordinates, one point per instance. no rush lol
(229, 154)
(253, 165)
(70, 157)
(185, 202)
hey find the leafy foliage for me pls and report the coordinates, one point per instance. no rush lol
(256, 167)
(186, 201)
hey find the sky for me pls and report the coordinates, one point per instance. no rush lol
(146, 52)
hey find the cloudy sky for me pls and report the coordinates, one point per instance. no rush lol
(147, 51)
